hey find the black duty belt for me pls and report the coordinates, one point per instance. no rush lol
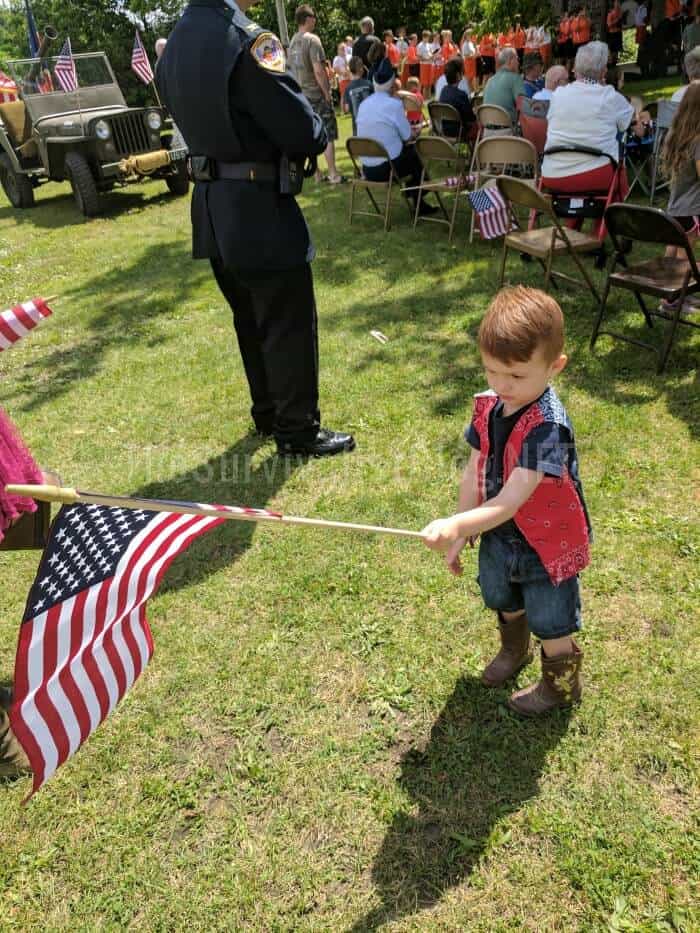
(244, 171)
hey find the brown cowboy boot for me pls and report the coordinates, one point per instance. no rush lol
(560, 685)
(515, 651)
(13, 761)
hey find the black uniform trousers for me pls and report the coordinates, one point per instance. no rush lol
(274, 315)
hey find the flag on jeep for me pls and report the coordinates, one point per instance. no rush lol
(64, 69)
(32, 31)
(139, 61)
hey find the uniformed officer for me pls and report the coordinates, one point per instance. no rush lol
(249, 130)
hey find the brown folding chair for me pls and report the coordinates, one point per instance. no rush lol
(544, 243)
(434, 150)
(445, 113)
(663, 277)
(502, 155)
(362, 147)
(491, 120)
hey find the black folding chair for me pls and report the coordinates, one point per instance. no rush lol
(664, 277)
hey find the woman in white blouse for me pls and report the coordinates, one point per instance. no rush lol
(586, 113)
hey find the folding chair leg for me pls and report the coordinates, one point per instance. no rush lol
(666, 349)
(584, 272)
(454, 213)
(601, 312)
(645, 311)
(374, 203)
(442, 205)
(416, 214)
(387, 210)
(504, 255)
(352, 201)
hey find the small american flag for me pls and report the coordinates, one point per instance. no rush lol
(139, 61)
(64, 69)
(84, 638)
(492, 212)
(16, 322)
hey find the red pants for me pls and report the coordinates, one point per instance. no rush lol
(593, 182)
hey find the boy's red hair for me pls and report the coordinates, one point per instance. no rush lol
(520, 320)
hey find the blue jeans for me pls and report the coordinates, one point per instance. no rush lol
(512, 577)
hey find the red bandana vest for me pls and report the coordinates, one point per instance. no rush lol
(553, 520)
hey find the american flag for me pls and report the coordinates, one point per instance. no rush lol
(64, 69)
(16, 322)
(139, 61)
(491, 211)
(84, 638)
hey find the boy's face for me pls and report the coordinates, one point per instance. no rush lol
(519, 384)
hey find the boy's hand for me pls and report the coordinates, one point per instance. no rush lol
(454, 564)
(440, 534)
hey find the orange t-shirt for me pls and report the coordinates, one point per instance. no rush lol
(502, 40)
(393, 54)
(614, 21)
(519, 38)
(672, 8)
(412, 55)
(564, 30)
(449, 50)
(487, 46)
(582, 30)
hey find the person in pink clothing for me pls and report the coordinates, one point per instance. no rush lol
(522, 494)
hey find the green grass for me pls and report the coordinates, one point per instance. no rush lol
(310, 748)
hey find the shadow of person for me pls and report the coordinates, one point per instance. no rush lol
(481, 762)
(240, 475)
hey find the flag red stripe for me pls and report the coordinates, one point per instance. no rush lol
(9, 333)
(70, 687)
(24, 317)
(42, 700)
(89, 661)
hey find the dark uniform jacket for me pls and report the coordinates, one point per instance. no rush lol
(223, 79)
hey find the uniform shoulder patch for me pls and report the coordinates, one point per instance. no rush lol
(268, 52)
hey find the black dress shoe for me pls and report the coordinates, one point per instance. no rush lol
(325, 444)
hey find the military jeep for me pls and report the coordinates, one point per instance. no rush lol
(89, 136)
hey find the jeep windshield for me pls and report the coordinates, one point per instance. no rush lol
(39, 77)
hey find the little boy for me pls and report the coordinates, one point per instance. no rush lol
(356, 91)
(415, 116)
(521, 492)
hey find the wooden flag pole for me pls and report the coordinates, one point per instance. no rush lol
(69, 496)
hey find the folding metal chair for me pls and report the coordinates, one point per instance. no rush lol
(663, 277)
(666, 111)
(544, 243)
(440, 114)
(502, 155)
(362, 147)
(589, 204)
(434, 150)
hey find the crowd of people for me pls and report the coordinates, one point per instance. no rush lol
(383, 83)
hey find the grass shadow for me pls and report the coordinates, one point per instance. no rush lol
(480, 764)
(153, 284)
(61, 211)
(240, 475)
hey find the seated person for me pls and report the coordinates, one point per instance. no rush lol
(359, 88)
(691, 63)
(586, 113)
(415, 116)
(506, 86)
(463, 84)
(557, 76)
(382, 117)
(452, 95)
(532, 74)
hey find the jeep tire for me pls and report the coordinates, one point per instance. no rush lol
(17, 187)
(83, 184)
(179, 183)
